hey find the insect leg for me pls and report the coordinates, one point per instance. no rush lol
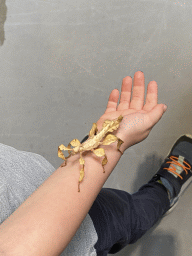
(101, 152)
(82, 162)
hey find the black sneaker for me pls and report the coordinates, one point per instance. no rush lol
(177, 168)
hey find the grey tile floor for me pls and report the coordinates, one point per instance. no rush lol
(59, 61)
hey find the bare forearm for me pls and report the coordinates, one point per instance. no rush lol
(47, 220)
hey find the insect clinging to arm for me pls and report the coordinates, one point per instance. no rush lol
(92, 143)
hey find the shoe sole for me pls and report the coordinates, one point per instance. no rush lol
(175, 202)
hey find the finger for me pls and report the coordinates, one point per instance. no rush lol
(138, 95)
(152, 96)
(155, 115)
(112, 102)
(125, 93)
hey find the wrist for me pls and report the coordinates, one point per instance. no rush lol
(112, 153)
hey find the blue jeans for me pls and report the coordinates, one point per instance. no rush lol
(121, 219)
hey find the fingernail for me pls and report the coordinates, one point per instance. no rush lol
(165, 107)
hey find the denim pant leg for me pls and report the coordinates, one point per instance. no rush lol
(121, 218)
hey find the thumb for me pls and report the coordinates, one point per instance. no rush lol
(156, 114)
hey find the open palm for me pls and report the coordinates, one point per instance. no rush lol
(134, 107)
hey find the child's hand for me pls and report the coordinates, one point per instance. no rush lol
(138, 119)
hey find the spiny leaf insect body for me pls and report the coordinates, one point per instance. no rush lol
(92, 143)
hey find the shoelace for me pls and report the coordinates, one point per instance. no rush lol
(175, 161)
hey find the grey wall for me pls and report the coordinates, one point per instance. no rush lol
(59, 61)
